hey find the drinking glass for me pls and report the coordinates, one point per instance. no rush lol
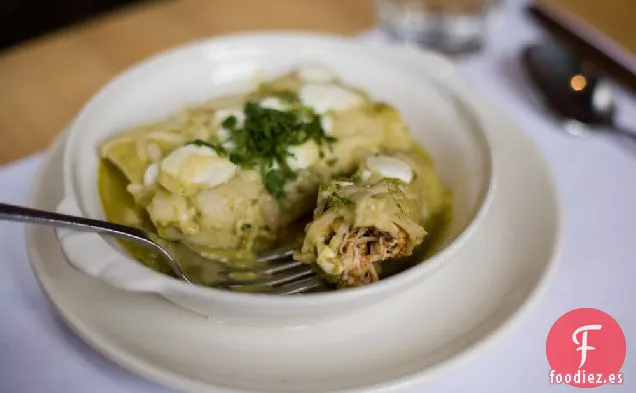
(450, 26)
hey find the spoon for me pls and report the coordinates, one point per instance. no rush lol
(573, 89)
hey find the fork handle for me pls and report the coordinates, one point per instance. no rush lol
(34, 216)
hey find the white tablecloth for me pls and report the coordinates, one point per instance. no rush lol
(597, 182)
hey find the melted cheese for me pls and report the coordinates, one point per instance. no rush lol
(191, 168)
(274, 103)
(391, 168)
(324, 98)
(303, 155)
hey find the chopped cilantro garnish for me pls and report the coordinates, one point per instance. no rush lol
(285, 95)
(332, 161)
(229, 123)
(246, 227)
(262, 142)
(288, 96)
(274, 181)
(343, 200)
(218, 148)
(336, 200)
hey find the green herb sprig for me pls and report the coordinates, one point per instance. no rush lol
(335, 200)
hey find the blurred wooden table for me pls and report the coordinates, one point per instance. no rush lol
(43, 83)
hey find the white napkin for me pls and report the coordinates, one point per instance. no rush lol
(597, 182)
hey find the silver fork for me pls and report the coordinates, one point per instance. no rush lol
(275, 273)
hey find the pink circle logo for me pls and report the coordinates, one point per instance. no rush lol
(586, 348)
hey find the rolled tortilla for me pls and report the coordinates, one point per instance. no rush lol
(378, 215)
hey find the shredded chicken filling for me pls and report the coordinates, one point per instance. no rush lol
(361, 247)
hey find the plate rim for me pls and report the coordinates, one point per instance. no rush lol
(173, 380)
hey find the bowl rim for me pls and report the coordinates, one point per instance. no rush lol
(402, 280)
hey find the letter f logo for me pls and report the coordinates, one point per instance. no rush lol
(584, 347)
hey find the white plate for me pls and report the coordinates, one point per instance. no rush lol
(393, 346)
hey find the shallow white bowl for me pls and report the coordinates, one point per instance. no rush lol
(427, 90)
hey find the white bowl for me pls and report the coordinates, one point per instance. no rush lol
(425, 88)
